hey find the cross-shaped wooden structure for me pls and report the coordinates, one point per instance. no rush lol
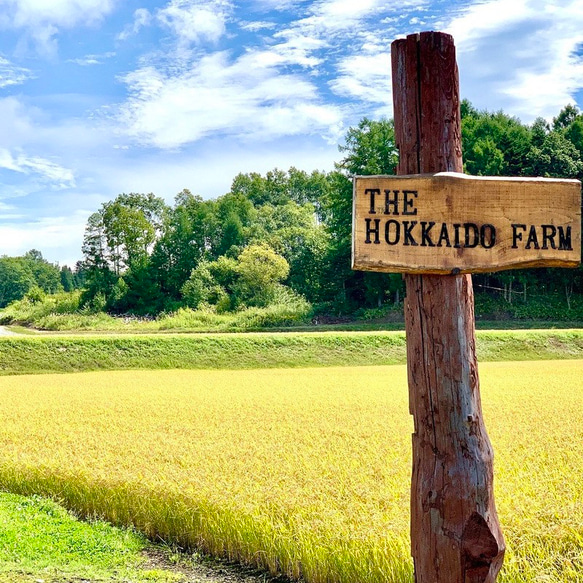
(437, 226)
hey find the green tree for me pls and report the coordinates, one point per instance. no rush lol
(369, 148)
(203, 288)
(47, 276)
(260, 269)
(493, 144)
(566, 117)
(16, 279)
(67, 279)
(234, 214)
(132, 223)
(118, 241)
(186, 239)
(555, 157)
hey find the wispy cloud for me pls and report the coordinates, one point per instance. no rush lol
(142, 18)
(45, 170)
(89, 60)
(247, 97)
(58, 237)
(521, 56)
(257, 25)
(10, 74)
(365, 77)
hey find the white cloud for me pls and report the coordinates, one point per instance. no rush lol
(520, 56)
(89, 60)
(45, 170)
(42, 19)
(248, 98)
(195, 21)
(257, 25)
(11, 74)
(58, 237)
(365, 77)
(16, 125)
(142, 18)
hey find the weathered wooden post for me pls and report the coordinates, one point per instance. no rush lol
(455, 535)
(437, 229)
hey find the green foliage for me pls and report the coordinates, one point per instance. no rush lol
(552, 307)
(259, 269)
(16, 279)
(226, 283)
(202, 287)
(370, 148)
(37, 305)
(19, 275)
(493, 143)
(555, 157)
(41, 538)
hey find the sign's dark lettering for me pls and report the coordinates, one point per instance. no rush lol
(532, 240)
(372, 231)
(516, 234)
(391, 202)
(407, 229)
(408, 202)
(396, 229)
(444, 236)
(542, 237)
(472, 235)
(565, 239)
(487, 236)
(373, 192)
(456, 230)
(549, 232)
(425, 235)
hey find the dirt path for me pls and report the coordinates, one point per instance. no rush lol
(208, 571)
(5, 332)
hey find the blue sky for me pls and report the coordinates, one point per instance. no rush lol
(99, 97)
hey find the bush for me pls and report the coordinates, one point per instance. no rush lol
(32, 308)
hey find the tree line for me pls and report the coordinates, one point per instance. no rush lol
(286, 235)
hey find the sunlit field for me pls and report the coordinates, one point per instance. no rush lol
(302, 471)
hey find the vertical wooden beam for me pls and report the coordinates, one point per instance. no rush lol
(455, 534)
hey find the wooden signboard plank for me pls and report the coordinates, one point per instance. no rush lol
(454, 223)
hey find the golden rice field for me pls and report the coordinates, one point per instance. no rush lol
(303, 471)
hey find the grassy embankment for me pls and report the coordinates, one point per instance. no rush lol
(38, 354)
(304, 471)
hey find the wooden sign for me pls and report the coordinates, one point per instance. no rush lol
(454, 223)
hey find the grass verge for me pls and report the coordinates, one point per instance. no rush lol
(41, 541)
(40, 354)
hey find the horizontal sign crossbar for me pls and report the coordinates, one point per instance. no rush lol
(454, 223)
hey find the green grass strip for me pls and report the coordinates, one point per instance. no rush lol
(24, 355)
(41, 541)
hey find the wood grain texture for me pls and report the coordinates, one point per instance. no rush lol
(455, 535)
(448, 222)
